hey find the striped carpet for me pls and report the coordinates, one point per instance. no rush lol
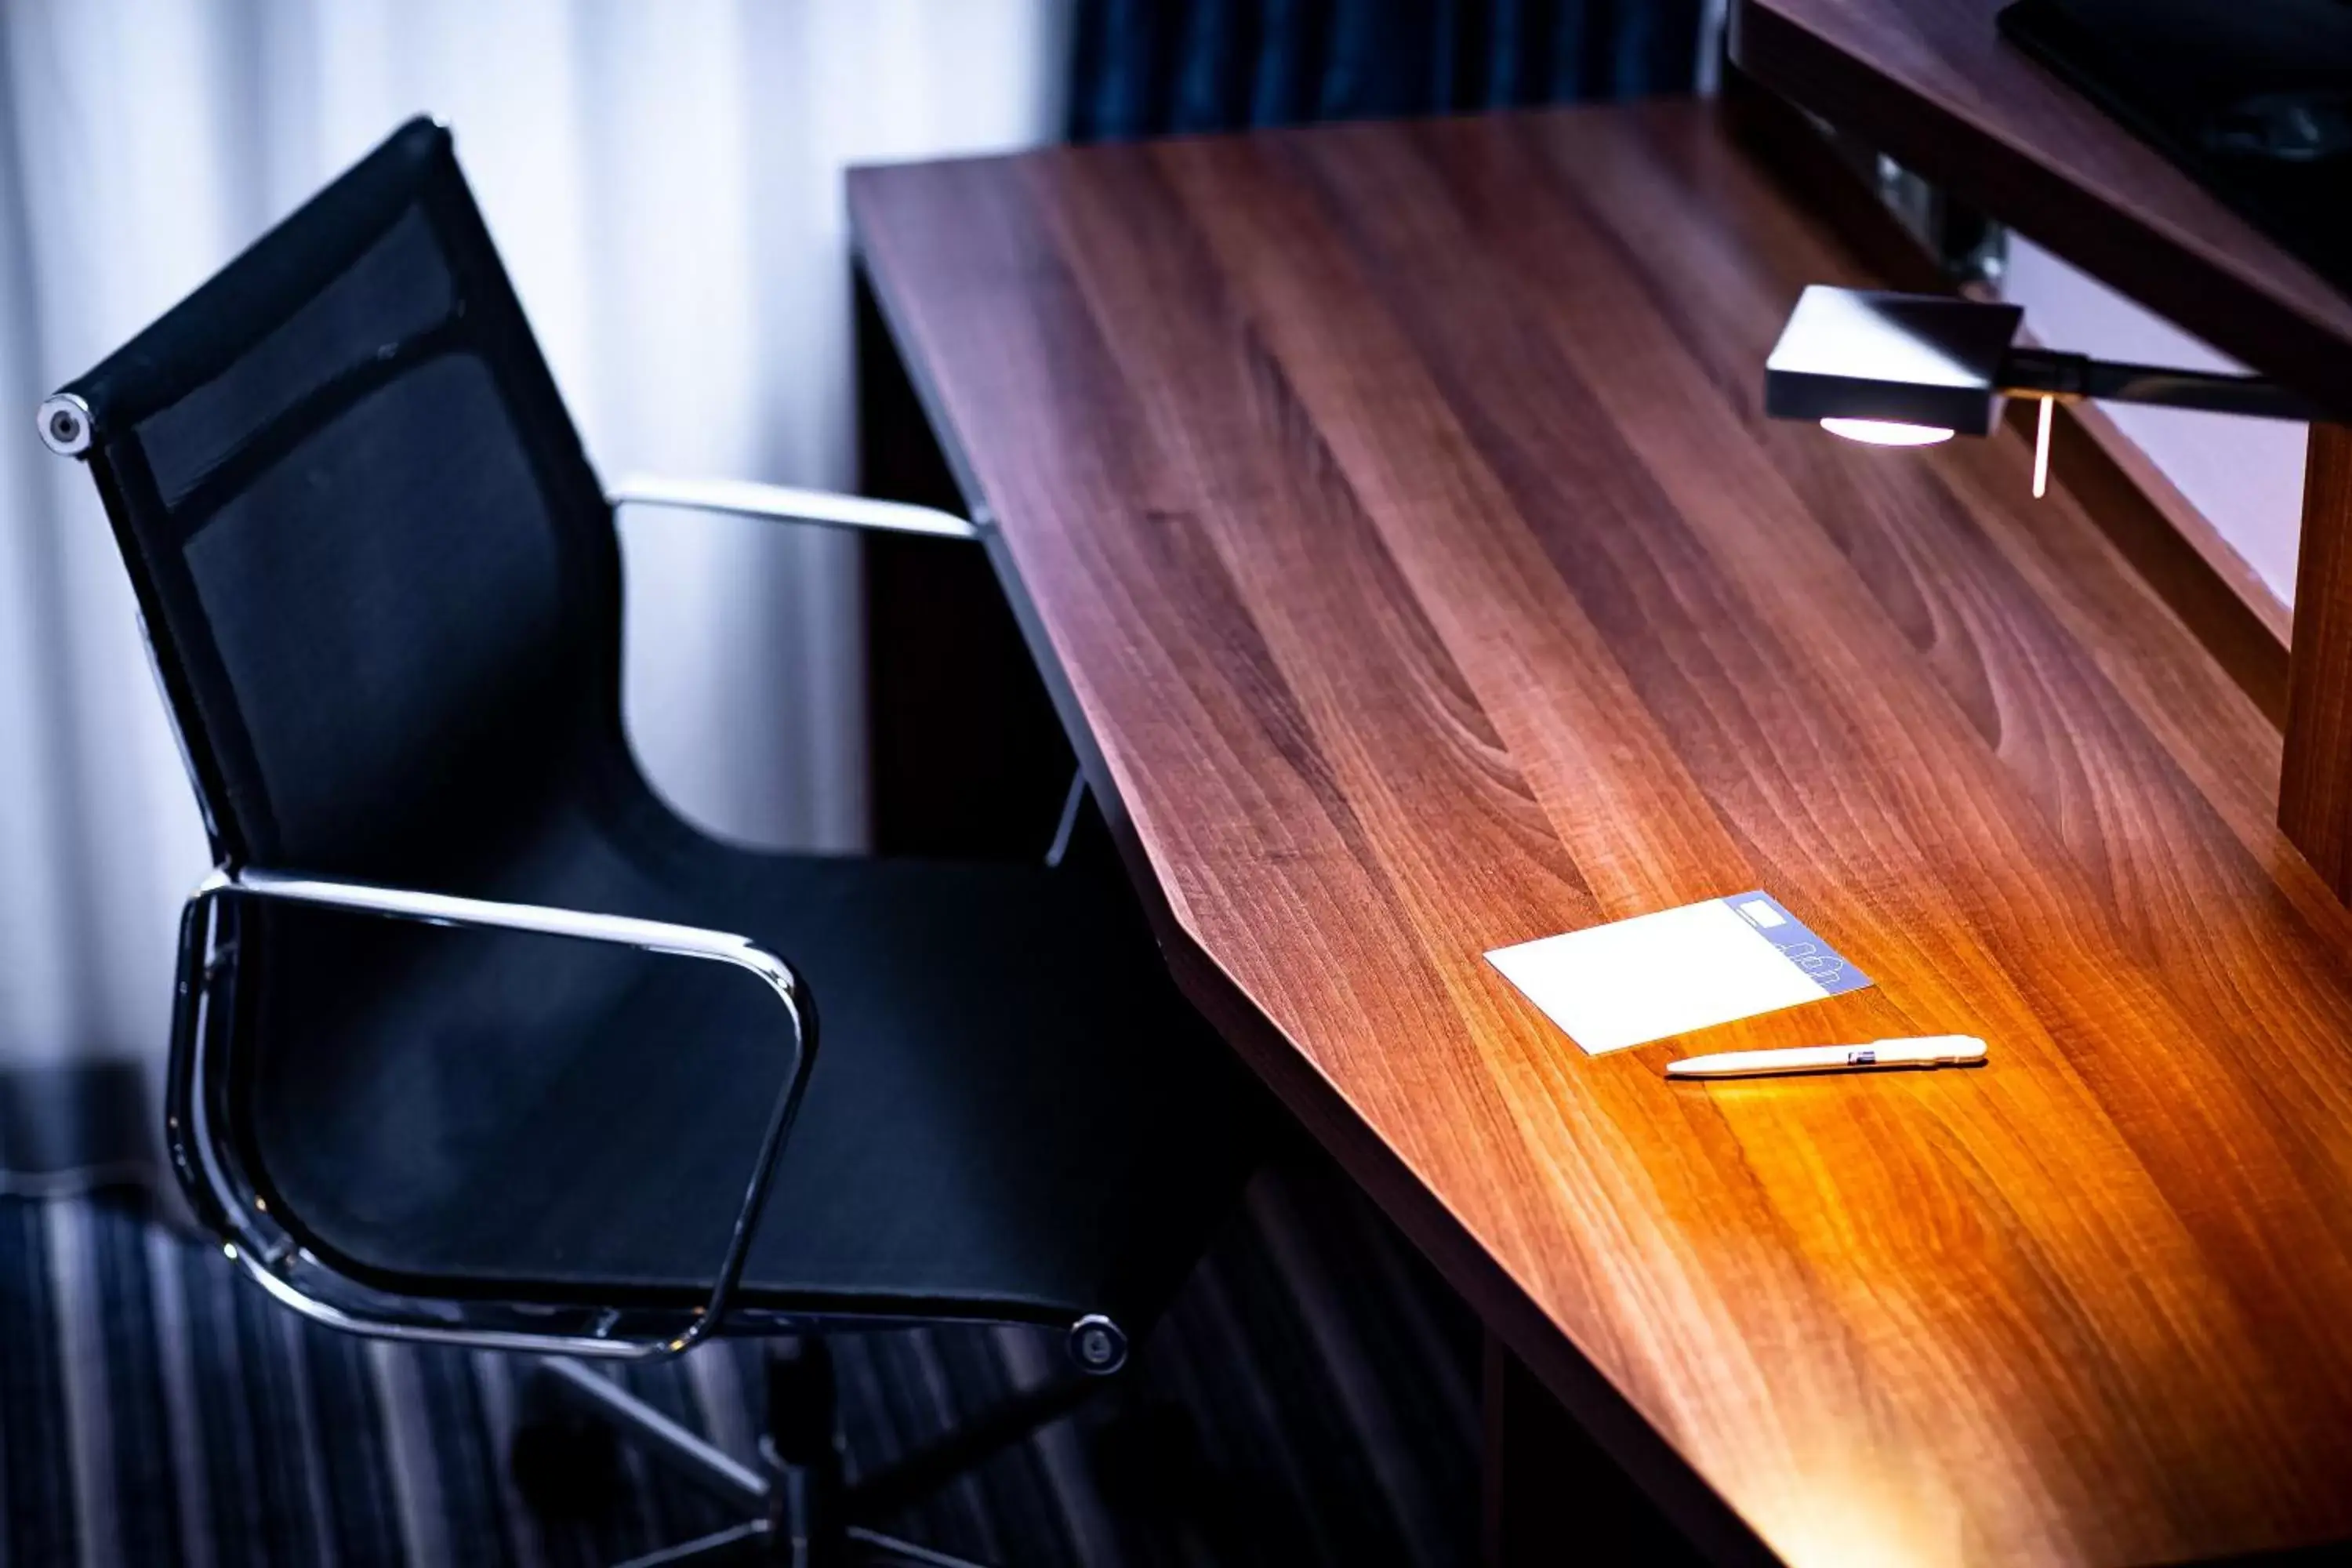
(1310, 1399)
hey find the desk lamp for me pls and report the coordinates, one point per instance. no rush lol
(1909, 369)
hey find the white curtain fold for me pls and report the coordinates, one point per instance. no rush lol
(663, 180)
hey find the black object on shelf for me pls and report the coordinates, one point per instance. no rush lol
(2251, 97)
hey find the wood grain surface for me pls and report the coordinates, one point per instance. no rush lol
(1931, 83)
(1394, 513)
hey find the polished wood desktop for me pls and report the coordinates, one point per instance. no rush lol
(1393, 514)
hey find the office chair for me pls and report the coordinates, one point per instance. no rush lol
(475, 1041)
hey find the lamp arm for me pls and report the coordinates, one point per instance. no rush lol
(2046, 372)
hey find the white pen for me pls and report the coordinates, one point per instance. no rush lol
(1925, 1051)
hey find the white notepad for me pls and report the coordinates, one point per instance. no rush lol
(1634, 981)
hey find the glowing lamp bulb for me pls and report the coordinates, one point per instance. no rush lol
(1886, 432)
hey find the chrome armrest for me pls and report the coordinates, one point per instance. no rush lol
(782, 503)
(270, 1257)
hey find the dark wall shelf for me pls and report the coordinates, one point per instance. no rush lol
(1932, 84)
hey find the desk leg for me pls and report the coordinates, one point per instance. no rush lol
(967, 759)
(2316, 789)
(1553, 1498)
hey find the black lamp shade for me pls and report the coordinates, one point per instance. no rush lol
(1912, 359)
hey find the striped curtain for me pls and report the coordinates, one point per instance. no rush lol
(1150, 67)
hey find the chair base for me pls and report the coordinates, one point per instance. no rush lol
(802, 1513)
(754, 1545)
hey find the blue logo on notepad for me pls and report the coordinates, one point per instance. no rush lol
(1820, 962)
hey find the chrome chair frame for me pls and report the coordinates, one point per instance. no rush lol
(213, 1174)
(783, 503)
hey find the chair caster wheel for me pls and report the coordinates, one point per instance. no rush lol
(566, 1467)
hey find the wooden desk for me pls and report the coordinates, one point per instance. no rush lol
(1391, 509)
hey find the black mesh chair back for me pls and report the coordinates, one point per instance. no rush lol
(446, 1062)
(377, 572)
(383, 587)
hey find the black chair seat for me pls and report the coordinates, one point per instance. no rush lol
(1010, 1114)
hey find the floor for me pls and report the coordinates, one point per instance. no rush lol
(1311, 1398)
